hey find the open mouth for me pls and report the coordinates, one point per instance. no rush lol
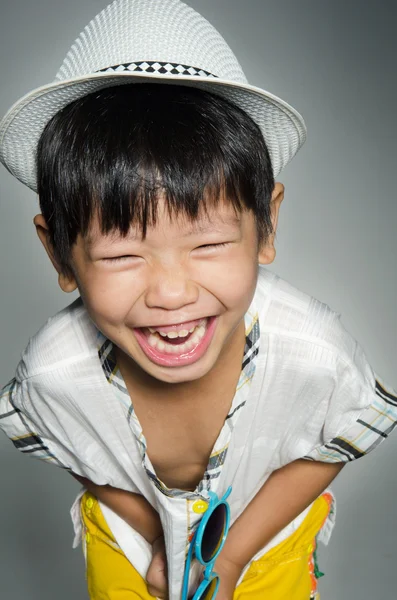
(175, 345)
(176, 341)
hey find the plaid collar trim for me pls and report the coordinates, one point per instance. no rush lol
(107, 355)
(113, 375)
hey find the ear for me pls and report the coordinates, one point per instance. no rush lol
(67, 281)
(267, 252)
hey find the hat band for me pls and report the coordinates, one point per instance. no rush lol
(164, 68)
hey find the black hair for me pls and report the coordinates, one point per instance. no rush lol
(113, 151)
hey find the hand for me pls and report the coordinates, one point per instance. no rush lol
(157, 576)
(229, 574)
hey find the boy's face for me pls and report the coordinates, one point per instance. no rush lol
(191, 282)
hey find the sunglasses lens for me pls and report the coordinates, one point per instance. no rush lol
(209, 591)
(213, 533)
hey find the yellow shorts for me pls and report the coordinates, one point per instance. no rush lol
(286, 572)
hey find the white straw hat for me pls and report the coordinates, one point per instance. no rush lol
(142, 41)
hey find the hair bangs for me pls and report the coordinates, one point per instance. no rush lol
(132, 198)
(116, 154)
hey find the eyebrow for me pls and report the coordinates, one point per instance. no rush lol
(199, 227)
(207, 226)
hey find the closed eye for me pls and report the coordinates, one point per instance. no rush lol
(220, 245)
(119, 258)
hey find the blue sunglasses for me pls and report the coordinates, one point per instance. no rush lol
(207, 542)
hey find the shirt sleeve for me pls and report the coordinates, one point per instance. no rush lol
(19, 428)
(362, 410)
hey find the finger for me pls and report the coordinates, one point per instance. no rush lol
(157, 593)
(156, 578)
(158, 565)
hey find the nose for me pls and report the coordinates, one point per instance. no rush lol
(171, 288)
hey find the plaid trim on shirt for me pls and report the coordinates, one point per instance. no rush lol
(20, 430)
(216, 460)
(376, 423)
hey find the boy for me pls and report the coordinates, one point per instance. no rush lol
(160, 219)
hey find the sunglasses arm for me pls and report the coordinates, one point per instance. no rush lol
(187, 568)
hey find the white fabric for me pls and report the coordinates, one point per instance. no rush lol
(295, 405)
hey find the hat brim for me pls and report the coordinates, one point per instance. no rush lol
(282, 126)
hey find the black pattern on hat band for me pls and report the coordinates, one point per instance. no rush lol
(165, 68)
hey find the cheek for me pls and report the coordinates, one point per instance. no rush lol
(110, 296)
(233, 281)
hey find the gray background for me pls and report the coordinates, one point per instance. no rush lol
(335, 62)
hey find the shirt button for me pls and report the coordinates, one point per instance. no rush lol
(89, 503)
(87, 537)
(200, 506)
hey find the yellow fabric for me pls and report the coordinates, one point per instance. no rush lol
(283, 573)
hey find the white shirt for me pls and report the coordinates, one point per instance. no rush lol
(306, 390)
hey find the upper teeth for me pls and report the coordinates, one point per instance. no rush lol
(181, 333)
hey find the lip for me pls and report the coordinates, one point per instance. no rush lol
(171, 360)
